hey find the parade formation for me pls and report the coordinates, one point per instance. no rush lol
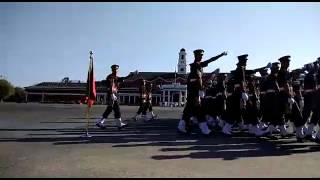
(263, 106)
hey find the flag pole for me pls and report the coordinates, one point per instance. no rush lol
(88, 107)
(87, 117)
(87, 124)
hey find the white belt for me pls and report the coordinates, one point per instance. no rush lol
(237, 85)
(308, 90)
(210, 97)
(263, 92)
(281, 89)
(219, 94)
(270, 90)
(229, 94)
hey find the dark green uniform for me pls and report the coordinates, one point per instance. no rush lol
(194, 88)
(143, 97)
(251, 112)
(310, 101)
(112, 89)
(234, 101)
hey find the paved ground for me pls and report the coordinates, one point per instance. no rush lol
(43, 140)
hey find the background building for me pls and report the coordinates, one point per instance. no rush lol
(169, 88)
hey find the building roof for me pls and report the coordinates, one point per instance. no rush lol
(131, 81)
(153, 75)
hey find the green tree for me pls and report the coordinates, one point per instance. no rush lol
(6, 89)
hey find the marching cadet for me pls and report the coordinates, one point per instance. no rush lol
(236, 101)
(252, 108)
(317, 70)
(297, 87)
(209, 96)
(208, 104)
(229, 91)
(285, 96)
(297, 96)
(310, 99)
(112, 83)
(238, 97)
(287, 104)
(251, 112)
(148, 105)
(270, 110)
(221, 99)
(143, 97)
(195, 91)
(262, 96)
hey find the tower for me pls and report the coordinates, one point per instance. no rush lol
(182, 63)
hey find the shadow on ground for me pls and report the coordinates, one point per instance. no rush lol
(162, 133)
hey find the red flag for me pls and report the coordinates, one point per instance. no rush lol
(91, 84)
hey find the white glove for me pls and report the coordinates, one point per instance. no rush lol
(245, 97)
(199, 100)
(114, 97)
(290, 101)
(201, 94)
(301, 104)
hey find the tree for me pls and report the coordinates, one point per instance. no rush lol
(6, 89)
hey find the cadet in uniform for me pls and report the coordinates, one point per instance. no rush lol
(195, 92)
(229, 92)
(270, 110)
(238, 97)
(113, 104)
(310, 99)
(297, 96)
(143, 97)
(149, 101)
(297, 87)
(251, 112)
(221, 99)
(209, 104)
(285, 95)
(287, 104)
(262, 96)
(317, 70)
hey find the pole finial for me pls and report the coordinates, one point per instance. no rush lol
(91, 53)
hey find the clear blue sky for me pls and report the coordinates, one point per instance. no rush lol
(48, 41)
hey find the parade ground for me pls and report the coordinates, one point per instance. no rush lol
(44, 140)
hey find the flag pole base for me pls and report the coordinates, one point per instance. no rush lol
(86, 135)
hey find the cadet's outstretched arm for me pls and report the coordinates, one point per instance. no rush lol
(259, 69)
(215, 58)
